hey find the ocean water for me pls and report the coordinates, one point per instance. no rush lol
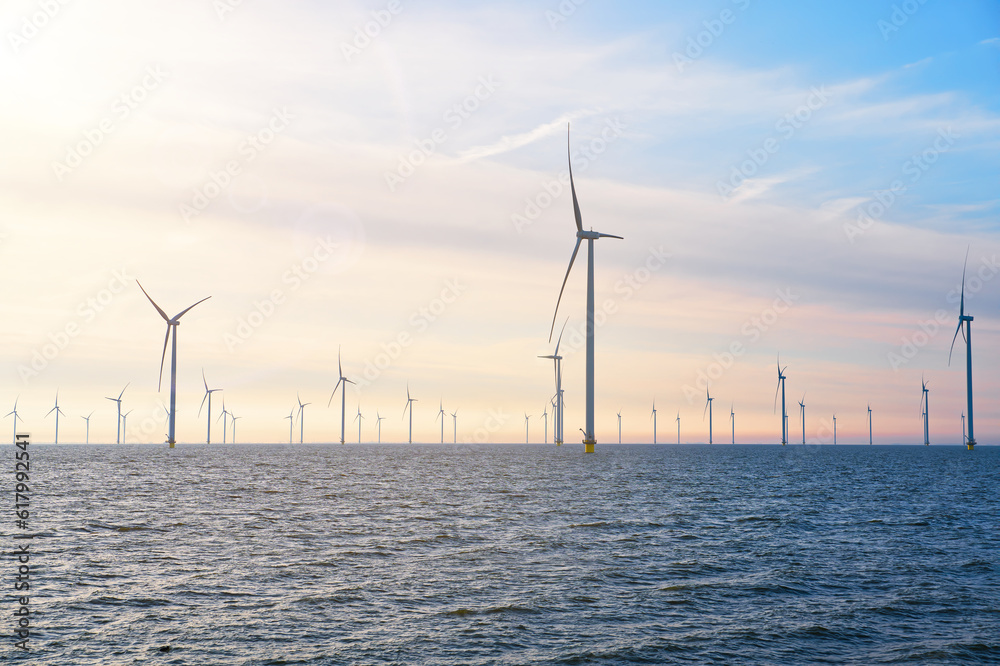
(395, 554)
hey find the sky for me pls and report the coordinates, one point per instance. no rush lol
(386, 180)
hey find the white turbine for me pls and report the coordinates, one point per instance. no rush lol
(409, 400)
(18, 417)
(118, 401)
(619, 426)
(678, 427)
(732, 420)
(869, 425)
(526, 419)
(125, 424)
(835, 430)
(224, 417)
(708, 408)
(359, 418)
(802, 416)
(545, 418)
(378, 423)
(172, 324)
(454, 419)
(441, 415)
(589, 439)
(208, 397)
(341, 381)
(784, 414)
(924, 410)
(87, 419)
(301, 416)
(967, 336)
(291, 423)
(653, 416)
(58, 412)
(233, 417)
(557, 415)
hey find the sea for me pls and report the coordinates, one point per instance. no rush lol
(272, 555)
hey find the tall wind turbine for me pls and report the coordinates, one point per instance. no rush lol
(835, 430)
(526, 419)
(967, 336)
(441, 415)
(545, 418)
(87, 419)
(619, 426)
(208, 396)
(233, 418)
(557, 416)
(653, 416)
(118, 400)
(964, 438)
(341, 381)
(360, 419)
(58, 412)
(678, 427)
(802, 416)
(589, 439)
(17, 417)
(784, 414)
(409, 400)
(378, 424)
(172, 324)
(291, 423)
(125, 424)
(454, 418)
(732, 420)
(708, 408)
(224, 417)
(923, 411)
(302, 417)
(869, 425)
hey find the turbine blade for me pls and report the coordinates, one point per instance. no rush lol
(953, 340)
(600, 235)
(563, 288)
(330, 401)
(203, 402)
(572, 187)
(163, 358)
(158, 308)
(123, 391)
(204, 380)
(961, 310)
(556, 353)
(181, 313)
(340, 368)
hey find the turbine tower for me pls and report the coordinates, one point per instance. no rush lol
(557, 416)
(341, 381)
(835, 430)
(208, 397)
(619, 426)
(125, 423)
(653, 416)
(454, 419)
(118, 400)
(441, 415)
(708, 408)
(802, 416)
(360, 419)
(378, 424)
(291, 423)
(784, 414)
(18, 417)
(545, 418)
(923, 412)
(964, 438)
(589, 439)
(87, 419)
(732, 420)
(678, 427)
(224, 417)
(172, 324)
(967, 336)
(233, 417)
(302, 417)
(58, 412)
(526, 419)
(869, 425)
(409, 400)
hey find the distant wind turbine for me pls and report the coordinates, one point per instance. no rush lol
(87, 419)
(708, 408)
(557, 415)
(291, 423)
(58, 412)
(359, 418)
(589, 440)
(784, 414)
(172, 324)
(341, 381)
(17, 417)
(441, 415)
(208, 397)
(125, 424)
(869, 425)
(732, 420)
(409, 402)
(233, 417)
(545, 417)
(619, 426)
(653, 416)
(118, 401)
(526, 419)
(454, 418)
(802, 416)
(224, 417)
(302, 417)
(678, 427)
(835, 430)
(964, 438)
(967, 336)
(924, 410)
(378, 424)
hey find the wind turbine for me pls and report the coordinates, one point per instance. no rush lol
(87, 419)
(924, 410)
(653, 416)
(454, 417)
(233, 417)
(835, 430)
(341, 381)
(172, 323)
(18, 416)
(589, 439)
(869, 425)
(360, 419)
(302, 416)
(557, 416)
(964, 438)
(408, 407)
(208, 396)
(125, 423)
(118, 400)
(967, 336)
(58, 412)
(802, 416)
(441, 415)
(732, 419)
(545, 417)
(678, 427)
(291, 422)
(784, 415)
(708, 408)
(526, 419)
(619, 426)
(225, 420)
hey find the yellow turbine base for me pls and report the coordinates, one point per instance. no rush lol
(171, 445)
(588, 446)
(971, 445)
